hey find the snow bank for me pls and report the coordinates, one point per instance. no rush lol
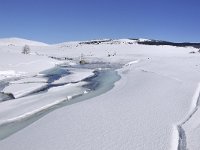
(23, 89)
(25, 105)
(75, 76)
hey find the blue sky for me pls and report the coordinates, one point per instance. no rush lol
(54, 21)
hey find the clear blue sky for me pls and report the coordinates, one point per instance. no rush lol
(54, 21)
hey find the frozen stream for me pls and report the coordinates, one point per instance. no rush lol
(100, 82)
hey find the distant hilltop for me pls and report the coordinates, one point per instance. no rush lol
(22, 42)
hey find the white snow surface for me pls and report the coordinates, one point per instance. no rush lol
(15, 110)
(15, 64)
(75, 76)
(22, 89)
(154, 95)
(20, 42)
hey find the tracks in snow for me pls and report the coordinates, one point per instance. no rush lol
(182, 141)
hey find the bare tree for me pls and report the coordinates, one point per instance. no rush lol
(26, 49)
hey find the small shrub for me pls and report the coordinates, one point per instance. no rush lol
(26, 50)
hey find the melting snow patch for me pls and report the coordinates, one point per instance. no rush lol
(10, 73)
(69, 98)
(132, 62)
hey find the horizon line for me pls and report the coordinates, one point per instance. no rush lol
(95, 39)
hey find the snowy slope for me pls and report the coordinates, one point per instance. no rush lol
(19, 42)
(15, 64)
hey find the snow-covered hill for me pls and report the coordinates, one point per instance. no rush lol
(154, 106)
(19, 42)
